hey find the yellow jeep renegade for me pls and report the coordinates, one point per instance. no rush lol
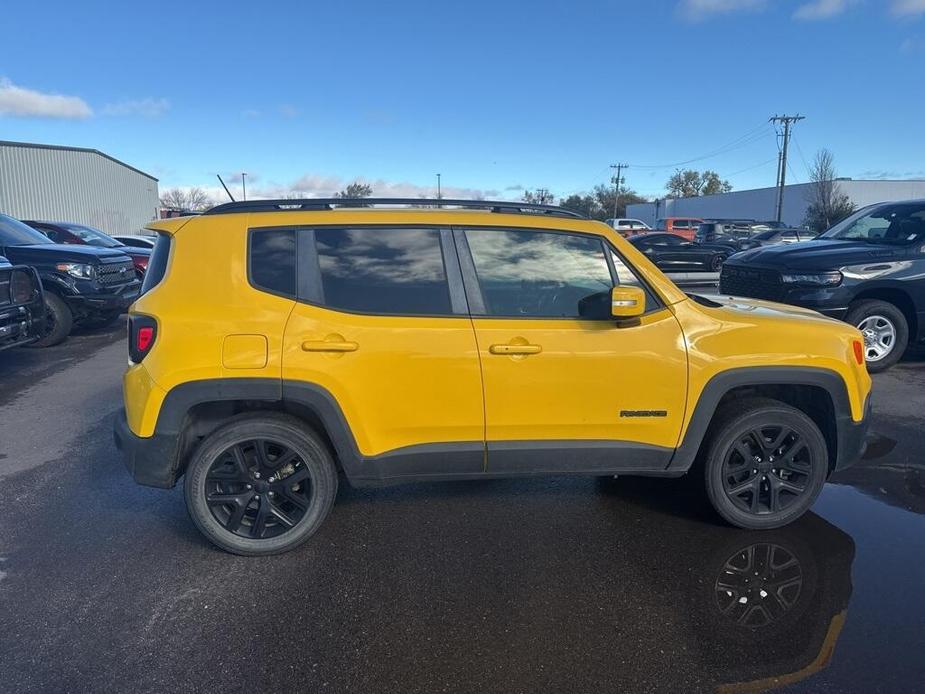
(278, 344)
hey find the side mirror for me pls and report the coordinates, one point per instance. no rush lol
(627, 302)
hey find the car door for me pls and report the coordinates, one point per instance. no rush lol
(381, 325)
(673, 253)
(565, 389)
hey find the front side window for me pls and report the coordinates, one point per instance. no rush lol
(895, 223)
(537, 274)
(388, 271)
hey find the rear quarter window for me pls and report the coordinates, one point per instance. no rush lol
(272, 260)
(157, 264)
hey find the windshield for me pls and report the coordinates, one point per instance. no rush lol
(766, 235)
(15, 233)
(893, 223)
(91, 236)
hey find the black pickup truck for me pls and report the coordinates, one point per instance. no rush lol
(83, 284)
(22, 306)
(868, 270)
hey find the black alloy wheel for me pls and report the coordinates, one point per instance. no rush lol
(767, 469)
(765, 464)
(260, 484)
(758, 585)
(258, 489)
(716, 263)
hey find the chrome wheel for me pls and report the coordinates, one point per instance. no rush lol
(879, 337)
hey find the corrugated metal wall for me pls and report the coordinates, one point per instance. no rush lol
(75, 186)
(761, 203)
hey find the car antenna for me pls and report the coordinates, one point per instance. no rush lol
(225, 187)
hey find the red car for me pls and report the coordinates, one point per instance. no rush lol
(68, 232)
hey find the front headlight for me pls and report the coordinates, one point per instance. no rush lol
(821, 279)
(78, 270)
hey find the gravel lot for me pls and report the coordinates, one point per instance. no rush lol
(501, 586)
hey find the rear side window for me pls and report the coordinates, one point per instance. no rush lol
(157, 264)
(272, 259)
(384, 271)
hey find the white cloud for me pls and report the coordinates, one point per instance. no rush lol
(22, 102)
(147, 108)
(907, 8)
(696, 10)
(821, 9)
(288, 111)
(313, 185)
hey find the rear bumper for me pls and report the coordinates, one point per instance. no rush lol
(852, 439)
(152, 461)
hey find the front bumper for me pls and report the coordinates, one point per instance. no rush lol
(852, 438)
(117, 300)
(152, 461)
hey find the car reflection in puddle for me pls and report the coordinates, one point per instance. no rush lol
(762, 609)
(773, 611)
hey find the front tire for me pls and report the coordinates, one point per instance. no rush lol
(261, 484)
(765, 465)
(58, 321)
(716, 262)
(885, 330)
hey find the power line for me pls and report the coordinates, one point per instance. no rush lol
(744, 140)
(755, 166)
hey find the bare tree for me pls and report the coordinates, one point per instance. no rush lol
(194, 199)
(355, 190)
(541, 196)
(828, 205)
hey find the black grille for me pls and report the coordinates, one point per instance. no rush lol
(115, 273)
(738, 280)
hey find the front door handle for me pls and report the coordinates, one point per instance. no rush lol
(332, 343)
(515, 349)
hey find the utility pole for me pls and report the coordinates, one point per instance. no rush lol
(616, 185)
(787, 122)
(244, 185)
(439, 196)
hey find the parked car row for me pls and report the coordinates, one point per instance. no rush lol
(79, 275)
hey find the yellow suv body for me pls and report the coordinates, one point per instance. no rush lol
(490, 340)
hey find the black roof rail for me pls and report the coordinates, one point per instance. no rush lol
(310, 204)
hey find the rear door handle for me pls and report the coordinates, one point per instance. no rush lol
(329, 346)
(515, 349)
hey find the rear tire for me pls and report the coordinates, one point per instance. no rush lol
(260, 484)
(880, 321)
(716, 263)
(766, 463)
(58, 321)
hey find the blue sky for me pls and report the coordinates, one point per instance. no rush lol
(495, 96)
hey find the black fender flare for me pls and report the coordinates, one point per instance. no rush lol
(722, 383)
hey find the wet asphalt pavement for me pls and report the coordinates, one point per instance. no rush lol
(560, 585)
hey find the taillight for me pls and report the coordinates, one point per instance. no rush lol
(142, 333)
(858, 347)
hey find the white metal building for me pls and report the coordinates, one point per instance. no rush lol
(761, 203)
(75, 184)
